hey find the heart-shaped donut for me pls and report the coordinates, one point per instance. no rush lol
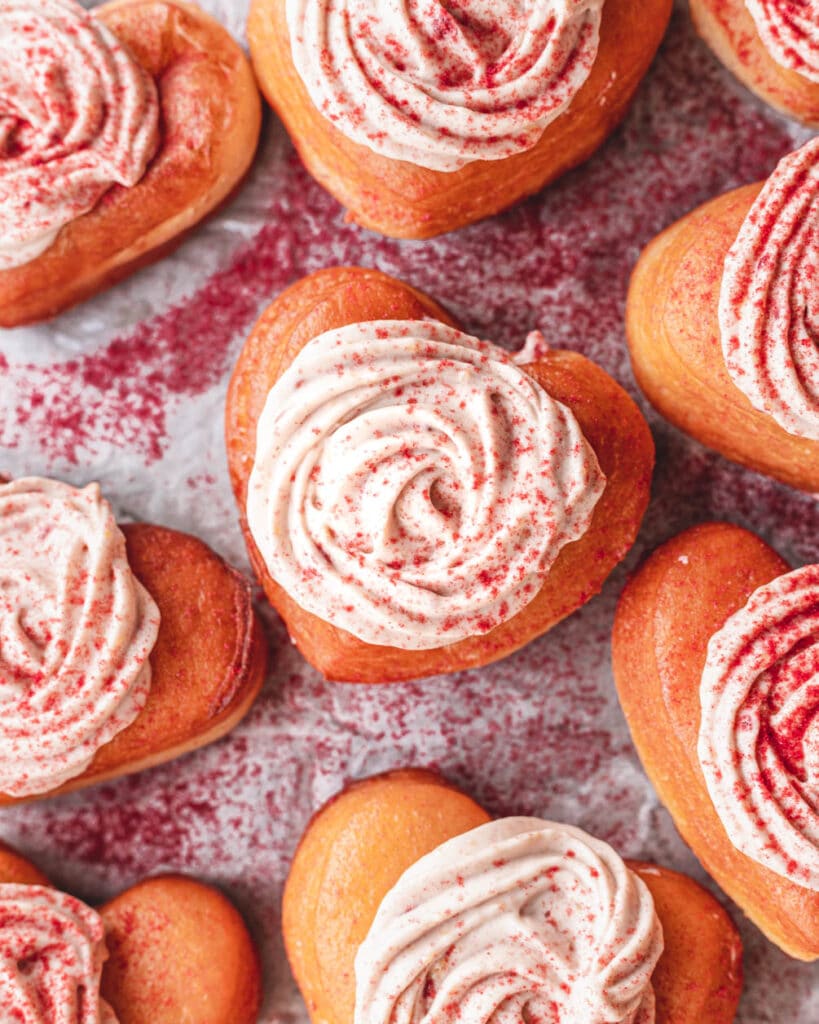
(771, 71)
(664, 633)
(362, 842)
(610, 422)
(676, 315)
(210, 117)
(207, 664)
(177, 950)
(402, 199)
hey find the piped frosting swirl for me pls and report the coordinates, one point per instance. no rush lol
(769, 301)
(52, 950)
(790, 31)
(412, 485)
(76, 630)
(759, 729)
(78, 114)
(519, 919)
(441, 83)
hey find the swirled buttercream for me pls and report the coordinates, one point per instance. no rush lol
(76, 630)
(517, 920)
(440, 83)
(769, 301)
(759, 729)
(790, 31)
(412, 485)
(52, 949)
(78, 114)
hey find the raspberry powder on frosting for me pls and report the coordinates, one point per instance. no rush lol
(413, 486)
(76, 632)
(518, 920)
(78, 114)
(52, 949)
(769, 300)
(441, 83)
(790, 31)
(759, 730)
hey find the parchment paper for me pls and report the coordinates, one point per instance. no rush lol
(129, 388)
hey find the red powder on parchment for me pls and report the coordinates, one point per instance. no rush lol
(540, 732)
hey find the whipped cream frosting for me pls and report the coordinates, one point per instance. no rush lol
(769, 300)
(790, 31)
(412, 485)
(76, 630)
(517, 920)
(78, 114)
(52, 949)
(441, 83)
(759, 730)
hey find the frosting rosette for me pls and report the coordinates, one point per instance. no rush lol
(52, 949)
(769, 301)
(76, 632)
(790, 31)
(412, 485)
(517, 920)
(440, 83)
(759, 730)
(78, 115)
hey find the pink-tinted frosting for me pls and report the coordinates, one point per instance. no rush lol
(78, 114)
(769, 302)
(52, 950)
(76, 630)
(517, 920)
(759, 730)
(790, 31)
(412, 485)
(440, 83)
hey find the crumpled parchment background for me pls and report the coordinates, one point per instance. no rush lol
(129, 388)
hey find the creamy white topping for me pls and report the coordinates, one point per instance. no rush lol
(769, 302)
(759, 730)
(534, 348)
(52, 949)
(76, 630)
(78, 114)
(517, 920)
(441, 83)
(790, 31)
(412, 485)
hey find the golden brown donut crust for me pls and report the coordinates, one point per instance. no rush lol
(672, 324)
(730, 31)
(178, 951)
(208, 664)
(679, 599)
(17, 870)
(358, 846)
(611, 422)
(210, 120)
(405, 201)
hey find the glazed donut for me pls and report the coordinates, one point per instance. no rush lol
(104, 217)
(771, 46)
(166, 950)
(716, 661)
(123, 648)
(410, 459)
(419, 122)
(722, 323)
(404, 898)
